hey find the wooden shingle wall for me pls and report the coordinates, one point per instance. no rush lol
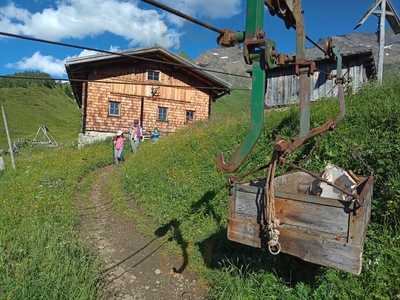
(177, 100)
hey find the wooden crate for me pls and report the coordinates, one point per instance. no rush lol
(323, 231)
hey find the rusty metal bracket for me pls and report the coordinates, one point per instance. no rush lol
(284, 147)
(307, 66)
(230, 38)
(252, 44)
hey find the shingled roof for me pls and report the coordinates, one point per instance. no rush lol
(79, 67)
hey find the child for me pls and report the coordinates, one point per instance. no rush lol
(136, 135)
(119, 141)
(155, 135)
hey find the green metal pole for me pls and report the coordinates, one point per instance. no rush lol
(254, 30)
(255, 17)
(254, 25)
(257, 117)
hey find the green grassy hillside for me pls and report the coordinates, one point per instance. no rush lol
(41, 256)
(29, 107)
(176, 181)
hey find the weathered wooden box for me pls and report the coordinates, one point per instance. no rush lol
(323, 231)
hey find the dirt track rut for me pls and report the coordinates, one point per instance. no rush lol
(135, 266)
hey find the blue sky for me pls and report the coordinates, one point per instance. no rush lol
(121, 24)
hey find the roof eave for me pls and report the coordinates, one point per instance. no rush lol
(102, 57)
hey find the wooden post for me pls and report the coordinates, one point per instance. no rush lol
(2, 165)
(381, 41)
(141, 112)
(8, 136)
(84, 105)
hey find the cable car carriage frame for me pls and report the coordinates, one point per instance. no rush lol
(320, 218)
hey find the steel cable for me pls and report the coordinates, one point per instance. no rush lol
(122, 82)
(121, 54)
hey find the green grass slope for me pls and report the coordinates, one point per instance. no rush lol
(41, 256)
(29, 107)
(176, 181)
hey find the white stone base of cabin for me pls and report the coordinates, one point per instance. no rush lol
(92, 137)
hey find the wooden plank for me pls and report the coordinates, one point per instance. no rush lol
(306, 245)
(311, 199)
(247, 204)
(312, 217)
(244, 231)
(315, 229)
(313, 248)
(247, 188)
(359, 220)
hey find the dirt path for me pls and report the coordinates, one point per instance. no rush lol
(135, 266)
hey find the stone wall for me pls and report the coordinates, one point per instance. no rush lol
(176, 100)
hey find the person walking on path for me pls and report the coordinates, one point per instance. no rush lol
(136, 135)
(119, 142)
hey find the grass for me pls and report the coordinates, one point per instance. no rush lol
(176, 180)
(41, 256)
(29, 107)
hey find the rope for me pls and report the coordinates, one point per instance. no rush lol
(272, 223)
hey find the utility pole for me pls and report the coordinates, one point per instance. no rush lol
(385, 11)
(8, 136)
(382, 22)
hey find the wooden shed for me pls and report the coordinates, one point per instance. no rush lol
(121, 89)
(358, 68)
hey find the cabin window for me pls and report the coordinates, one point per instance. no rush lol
(114, 109)
(189, 116)
(153, 75)
(162, 114)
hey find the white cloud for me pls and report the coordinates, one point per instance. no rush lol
(39, 62)
(83, 18)
(88, 18)
(207, 8)
(48, 63)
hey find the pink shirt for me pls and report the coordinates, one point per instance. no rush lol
(119, 142)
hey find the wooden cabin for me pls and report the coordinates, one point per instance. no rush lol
(121, 89)
(359, 53)
(283, 84)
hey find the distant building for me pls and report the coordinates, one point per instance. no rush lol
(358, 68)
(166, 96)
